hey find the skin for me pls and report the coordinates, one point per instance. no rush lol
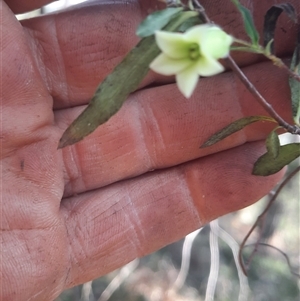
(140, 181)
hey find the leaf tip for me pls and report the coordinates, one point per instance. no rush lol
(64, 141)
(206, 144)
(255, 172)
(68, 138)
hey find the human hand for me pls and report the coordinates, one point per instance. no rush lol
(138, 182)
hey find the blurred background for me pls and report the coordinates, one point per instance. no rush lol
(203, 265)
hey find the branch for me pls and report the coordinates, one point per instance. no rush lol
(262, 215)
(293, 129)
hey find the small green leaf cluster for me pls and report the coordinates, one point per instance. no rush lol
(277, 156)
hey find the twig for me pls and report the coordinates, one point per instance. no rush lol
(282, 253)
(261, 50)
(171, 3)
(293, 129)
(261, 216)
(199, 8)
(279, 63)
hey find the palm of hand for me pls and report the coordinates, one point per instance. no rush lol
(34, 232)
(50, 244)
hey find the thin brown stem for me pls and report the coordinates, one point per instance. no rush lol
(199, 8)
(279, 63)
(282, 253)
(262, 215)
(293, 129)
(276, 60)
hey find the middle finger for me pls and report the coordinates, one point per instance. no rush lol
(157, 127)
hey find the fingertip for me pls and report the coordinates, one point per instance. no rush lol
(231, 185)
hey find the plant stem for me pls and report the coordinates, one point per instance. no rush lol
(200, 9)
(292, 270)
(261, 216)
(276, 60)
(293, 129)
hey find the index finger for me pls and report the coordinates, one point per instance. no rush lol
(77, 49)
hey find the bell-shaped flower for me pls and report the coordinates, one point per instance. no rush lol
(191, 54)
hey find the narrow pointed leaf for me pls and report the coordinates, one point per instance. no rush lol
(114, 90)
(273, 144)
(190, 23)
(294, 84)
(234, 127)
(270, 21)
(248, 22)
(157, 21)
(266, 165)
(270, 47)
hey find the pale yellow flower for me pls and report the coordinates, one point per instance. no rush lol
(191, 54)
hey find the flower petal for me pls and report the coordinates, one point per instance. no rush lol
(167, 66)
(216, 43)
(208, 66)
(172, 44)
(197, 33)
(187, 81)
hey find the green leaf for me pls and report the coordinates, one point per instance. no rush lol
(270, 47)
(248, 22)
(266, 165)
(190, 23)
(270, 21)
(234, 127)
(157, 21)
(114, 90)
(273, 144)
(294, 84)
